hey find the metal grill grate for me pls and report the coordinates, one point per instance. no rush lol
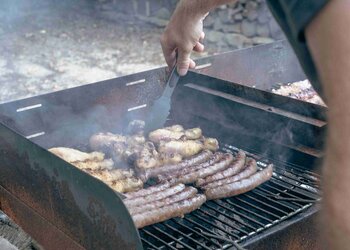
(224, 223)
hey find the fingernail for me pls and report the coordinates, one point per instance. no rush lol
(182, 72)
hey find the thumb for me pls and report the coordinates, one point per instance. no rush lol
(183, 62)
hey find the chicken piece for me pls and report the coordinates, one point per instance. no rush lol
(135, 140)
(104, 141)
(111, 175)
(175, 128)
(148, 157)
(193, 133)
(170, 158)
(136, 127)
(72, 155)
(164, 134)
(94, 165)
(185, 148)
(211, 144)
(126, 185)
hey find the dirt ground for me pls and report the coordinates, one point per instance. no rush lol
(51, 45)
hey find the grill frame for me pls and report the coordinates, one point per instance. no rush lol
(38, 212)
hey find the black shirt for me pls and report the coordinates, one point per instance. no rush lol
(293, 17)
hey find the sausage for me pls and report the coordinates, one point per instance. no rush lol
(239, 187)
(236, 166)
(164, 213)
(203, 172)
(196, 159)
(249, 169)
(147, 191)
(187, 193)
(154, 196)
(174, 176)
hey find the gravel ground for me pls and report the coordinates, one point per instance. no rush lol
(51, 45)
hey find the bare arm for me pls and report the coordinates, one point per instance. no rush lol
(185, 30)
(328, 38)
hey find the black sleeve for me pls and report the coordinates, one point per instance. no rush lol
(293, 16)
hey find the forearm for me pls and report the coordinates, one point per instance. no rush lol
(328, 40)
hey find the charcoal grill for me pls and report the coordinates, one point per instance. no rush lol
(65, 208)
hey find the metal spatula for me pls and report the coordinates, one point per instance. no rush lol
(161, 107)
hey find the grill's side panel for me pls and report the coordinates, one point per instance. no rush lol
(83, 208)
(254, 120)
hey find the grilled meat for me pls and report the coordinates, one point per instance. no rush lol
(147, 191)
(249, 169)
(193, 133)
(211, 144)
(196, 159)
(185, 148)
(175, 176)
(210, 170)
(139, 201)
(169, 158)
(94, 165)
(170, 211)
(126, 185)
(236, 166)
(148, 157)
(164, 134)
(111, 175)
(239, 187)
(72, 155)
(104, 141)
(136, 127)
(187, 193)
(175, 132)
(175, 128)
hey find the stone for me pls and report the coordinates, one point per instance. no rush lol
(263, 17)
(235, 40)
(252, 14)
(32, 70)
(224, 16)
(217, 24)
(154, 20)
(275, 30)
(209, 21)
(248, 28)
(262, 40)
(232, 28)
(163, 13)
(263, 30)
(238, 17)
(214, 36)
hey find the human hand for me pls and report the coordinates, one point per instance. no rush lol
(184, 34)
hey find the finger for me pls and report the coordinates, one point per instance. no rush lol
(183, 62)
(168, 52)
(192, 64)
(202, 36)
(199, 47)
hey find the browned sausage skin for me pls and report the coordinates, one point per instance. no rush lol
(164, 213)
(235, 167)
(147, 191)
(174, 176)
(154, 196)
(249, 169)
(203, 172)
(187, 193)
(239, 187)
(153, 172)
